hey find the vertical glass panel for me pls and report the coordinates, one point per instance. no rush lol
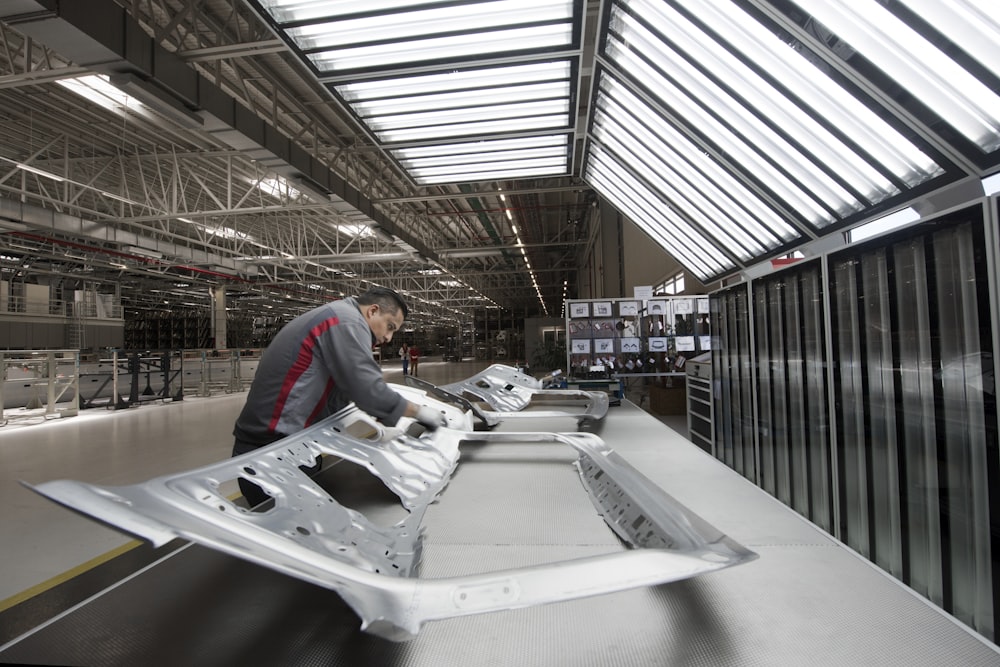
(765, 409)
(850, 396)
(747, 429)
(918, 427)
(962, 411)
(798, 437)
(793, 434)
(815, 399)
(879, 371)
(732, 373)
(719, 310)
(779, 389)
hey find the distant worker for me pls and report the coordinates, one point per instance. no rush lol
(414, 359)
(319, 363)
(404, 354)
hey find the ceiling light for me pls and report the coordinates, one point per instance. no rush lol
(40, 172)
(917, 64)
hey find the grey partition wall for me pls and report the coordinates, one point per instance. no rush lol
(732, 371)
(793, 425)
(915, 403)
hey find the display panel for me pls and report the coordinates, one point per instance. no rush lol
(635, 337)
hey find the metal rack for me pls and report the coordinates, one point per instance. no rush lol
(54, 371)
(701, 424)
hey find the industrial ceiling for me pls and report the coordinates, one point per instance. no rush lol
(299, 150)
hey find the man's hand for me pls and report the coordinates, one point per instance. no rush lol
(430, 418)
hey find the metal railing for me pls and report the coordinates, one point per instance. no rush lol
(20, 305)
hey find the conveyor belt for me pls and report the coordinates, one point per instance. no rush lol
(807, 600)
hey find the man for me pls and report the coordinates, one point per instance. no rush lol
(414, 359)
(319, 363)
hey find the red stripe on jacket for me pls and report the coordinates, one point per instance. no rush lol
(301, 365)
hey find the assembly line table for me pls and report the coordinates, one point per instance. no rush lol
(807, 600)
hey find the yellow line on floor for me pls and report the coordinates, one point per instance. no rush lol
(66, 576)
(79, 569)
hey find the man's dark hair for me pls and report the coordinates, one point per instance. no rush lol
(386, 299)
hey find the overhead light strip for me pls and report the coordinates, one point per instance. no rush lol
(456, 80)
(338, 39)
(648, 211)
(919, 66)
(821, 175)
(743, 235)
(466, 99)
(497, 113)
(818, 92)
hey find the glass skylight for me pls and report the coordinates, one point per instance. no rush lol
(917, 64)
(340, 36)
(468, 161)
(425, 75)
(729, 135)
(440, 48)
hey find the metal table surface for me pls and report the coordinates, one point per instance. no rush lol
(806, 600)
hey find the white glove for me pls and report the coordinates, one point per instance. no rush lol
(430, 418)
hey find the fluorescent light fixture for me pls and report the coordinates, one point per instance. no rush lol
(119, 95)
(482, 147)
(477, 99)
(551, 165)
(803, 147)
(486, 127)
(817, 92)
(644, 207)
(919, 66)
(411, 24)
(472, 159)
(471, 176)
(455, 47)
(882, 225)
(658, 169)
(753, 158)
(226, 233)
(519, 111)
(423, 104)
(756, 146)
(455, 80)
(40, 172)
(97, 88)
(623, 123)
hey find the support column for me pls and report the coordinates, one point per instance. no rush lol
(219, 316)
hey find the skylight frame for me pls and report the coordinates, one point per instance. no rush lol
(879, 160)
(417, 96)
(914, 61)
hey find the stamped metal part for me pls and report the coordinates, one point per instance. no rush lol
(308, 535)
(488, 417)
(510, 394)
